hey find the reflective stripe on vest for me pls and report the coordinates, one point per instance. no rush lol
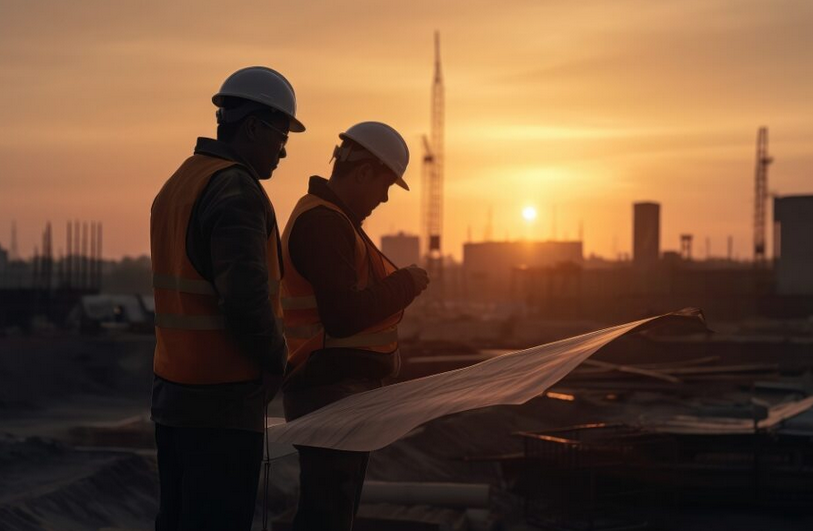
(184, 285)
(385, 337)
(196, 287)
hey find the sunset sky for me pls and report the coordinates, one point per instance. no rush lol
(584, 107)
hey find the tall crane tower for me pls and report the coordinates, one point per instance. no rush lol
(761, 195)
(433, 176)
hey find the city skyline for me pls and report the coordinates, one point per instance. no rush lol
(578, 109)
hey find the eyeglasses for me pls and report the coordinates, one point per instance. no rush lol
(277, 130)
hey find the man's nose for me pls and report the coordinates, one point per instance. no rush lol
(283, 153)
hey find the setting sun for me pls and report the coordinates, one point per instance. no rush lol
(529, 213)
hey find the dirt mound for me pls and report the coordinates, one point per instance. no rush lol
(36, 371)
(47, 486)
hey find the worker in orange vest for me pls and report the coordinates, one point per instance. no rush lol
(342, 300)
(220, 350)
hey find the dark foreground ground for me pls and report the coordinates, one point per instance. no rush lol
(76, 447)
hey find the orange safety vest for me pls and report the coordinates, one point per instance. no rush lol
(303, 328)
(192, 344)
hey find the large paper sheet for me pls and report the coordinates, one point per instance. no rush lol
(373, 419)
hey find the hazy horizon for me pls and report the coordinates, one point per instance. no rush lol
(585, 108)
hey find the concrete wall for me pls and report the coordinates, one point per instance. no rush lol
(627, 292)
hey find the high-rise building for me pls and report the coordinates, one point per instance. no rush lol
(403, 249)
(793, 244)
(646, 237)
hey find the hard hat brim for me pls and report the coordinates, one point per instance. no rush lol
(402, 183)
(294, 125)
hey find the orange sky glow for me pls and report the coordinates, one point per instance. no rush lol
(578, 107)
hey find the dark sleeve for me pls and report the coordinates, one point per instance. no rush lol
(233, 220)
(322, 246)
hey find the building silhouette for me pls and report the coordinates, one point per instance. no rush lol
(793, 244)
(403, 249)
(646, 237)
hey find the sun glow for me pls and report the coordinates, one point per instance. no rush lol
(529, 213)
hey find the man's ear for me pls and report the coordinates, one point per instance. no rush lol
(251, 128)
(364, 173)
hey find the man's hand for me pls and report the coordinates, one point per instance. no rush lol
(419, 277)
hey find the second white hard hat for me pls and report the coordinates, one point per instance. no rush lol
(261, 85)
(385, 143)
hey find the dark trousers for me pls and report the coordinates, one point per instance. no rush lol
(208, 478)
(330, 488)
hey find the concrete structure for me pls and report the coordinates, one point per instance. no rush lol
(625, 292)
(646, 237)
(793, 219)
(489, 267)
(403, 249)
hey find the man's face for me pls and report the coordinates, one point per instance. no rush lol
(375, 181)
(270, 136)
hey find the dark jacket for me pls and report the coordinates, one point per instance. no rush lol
(225, 242)
(322, 245)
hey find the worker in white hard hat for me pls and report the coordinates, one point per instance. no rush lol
(342, 300)
(220, 351)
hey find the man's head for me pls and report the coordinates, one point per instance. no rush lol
(371, 158)
(256, 111)
(259, 137)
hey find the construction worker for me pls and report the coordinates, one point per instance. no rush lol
(342, 300)
(220, 350)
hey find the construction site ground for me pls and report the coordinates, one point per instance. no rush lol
(76, 449)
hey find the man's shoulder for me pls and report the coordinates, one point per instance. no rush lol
(234, 183)
(233, 191)
(236, 175)
(320, 224)
(322, 218)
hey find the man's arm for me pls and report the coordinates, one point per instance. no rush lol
(234, 213)
(322, 244)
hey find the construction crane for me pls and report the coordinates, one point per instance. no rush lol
(761, 195)
(433, 177)
(427, 170)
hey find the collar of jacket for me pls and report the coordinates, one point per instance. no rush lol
(221, 150)
(318, 187)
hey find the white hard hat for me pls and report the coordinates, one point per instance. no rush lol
(384, 142)
(261, 85)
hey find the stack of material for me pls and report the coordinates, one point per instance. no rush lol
(597, 477)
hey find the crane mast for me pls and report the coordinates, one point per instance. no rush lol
(761, 195)
(433, 175)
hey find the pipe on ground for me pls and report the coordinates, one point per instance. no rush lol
(463, 495)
